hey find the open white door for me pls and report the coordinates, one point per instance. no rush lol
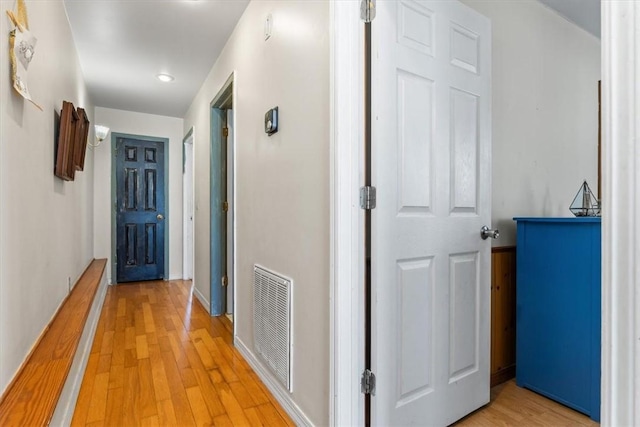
(431, 148)
(187, 212)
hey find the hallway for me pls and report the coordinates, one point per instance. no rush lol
(158, 358)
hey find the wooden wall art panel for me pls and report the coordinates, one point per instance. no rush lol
(64, 167)
(82, 134)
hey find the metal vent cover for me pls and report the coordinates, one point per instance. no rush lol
(272, 322)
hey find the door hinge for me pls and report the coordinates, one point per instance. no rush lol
(368, 197)
(225, 280)
(225, 131)
(368, 382)
(367, 10)
(225, 206)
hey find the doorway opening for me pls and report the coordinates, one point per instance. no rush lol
(222, 202)
(187, 209)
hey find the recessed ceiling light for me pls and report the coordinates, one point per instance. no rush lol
(165, 78)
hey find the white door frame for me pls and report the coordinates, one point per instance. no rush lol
(347, 219)
(620, 390)
(187, 226)
(621, 208)
(222, 101)
(231, 218)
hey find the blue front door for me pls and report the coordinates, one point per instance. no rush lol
(140, 209)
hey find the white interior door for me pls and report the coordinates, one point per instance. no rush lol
(187, 185)
(431, 165)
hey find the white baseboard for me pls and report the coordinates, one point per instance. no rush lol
(205, 302)
(67, 402)
(282, 396)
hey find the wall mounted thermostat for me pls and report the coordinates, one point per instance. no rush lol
(271, 121)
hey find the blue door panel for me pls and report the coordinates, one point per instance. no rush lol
(218, 217)
(140, 222)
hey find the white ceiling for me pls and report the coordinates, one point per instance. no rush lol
(583, 13)
(123, 45)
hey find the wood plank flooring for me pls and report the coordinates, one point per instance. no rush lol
(158, 358)
(514, 406)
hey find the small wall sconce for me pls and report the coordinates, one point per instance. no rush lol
(101, 133)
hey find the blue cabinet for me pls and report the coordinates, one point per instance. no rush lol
(558, 310)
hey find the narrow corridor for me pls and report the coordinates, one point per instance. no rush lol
(158, 358)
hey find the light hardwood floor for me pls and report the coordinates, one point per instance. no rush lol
(158, 358)
(514, 406)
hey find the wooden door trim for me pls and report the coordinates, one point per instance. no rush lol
(114, 199)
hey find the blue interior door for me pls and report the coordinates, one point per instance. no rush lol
(140, 208)
(218, 212)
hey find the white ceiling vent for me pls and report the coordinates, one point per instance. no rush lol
(272, 322)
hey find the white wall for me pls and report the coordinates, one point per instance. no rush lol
(46, 224)
(141, 124)
(282, 191)
(545, 111)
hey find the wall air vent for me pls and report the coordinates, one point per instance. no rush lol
(272, 322)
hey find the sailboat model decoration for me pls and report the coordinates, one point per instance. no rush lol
(585, 203)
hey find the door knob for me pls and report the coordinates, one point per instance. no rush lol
(486, 232)
(161, 217)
